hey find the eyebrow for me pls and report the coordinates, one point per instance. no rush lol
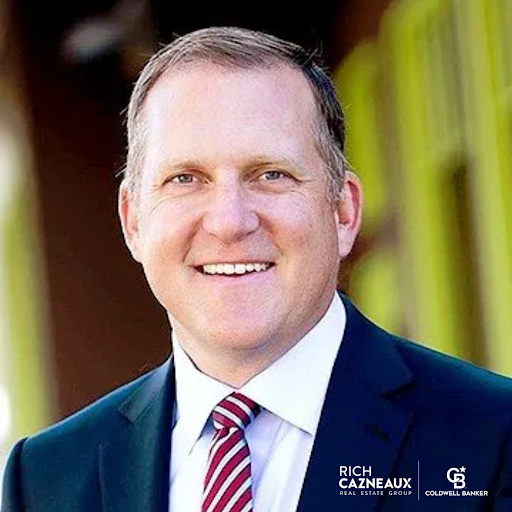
(269, 160)
(179, 164)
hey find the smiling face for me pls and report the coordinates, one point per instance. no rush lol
(232, 224)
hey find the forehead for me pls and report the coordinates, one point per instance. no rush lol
(196, 86)
(215, 114)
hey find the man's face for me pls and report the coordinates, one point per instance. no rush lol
(233, 225)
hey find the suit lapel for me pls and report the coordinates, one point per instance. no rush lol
(360, 425)
(134, 468)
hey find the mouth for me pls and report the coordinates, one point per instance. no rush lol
(234, 269)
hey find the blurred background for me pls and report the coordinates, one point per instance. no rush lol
(427, 88)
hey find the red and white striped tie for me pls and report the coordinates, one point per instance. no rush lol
(227, 485)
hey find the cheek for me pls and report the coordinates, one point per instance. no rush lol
(166, 233)
(307, 227)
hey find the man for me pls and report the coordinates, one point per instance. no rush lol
(238, 204)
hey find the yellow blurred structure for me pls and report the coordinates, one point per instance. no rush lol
(23, 376)
(429, 108)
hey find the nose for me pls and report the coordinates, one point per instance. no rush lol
(229, 215)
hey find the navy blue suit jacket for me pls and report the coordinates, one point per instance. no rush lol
(398, 409)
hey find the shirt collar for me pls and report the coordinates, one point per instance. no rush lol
(196, 393)
(293, 387)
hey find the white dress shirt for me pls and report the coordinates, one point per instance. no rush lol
(291, 393)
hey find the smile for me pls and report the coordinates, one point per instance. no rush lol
(229, 269)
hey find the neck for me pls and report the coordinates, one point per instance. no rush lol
(232, 366)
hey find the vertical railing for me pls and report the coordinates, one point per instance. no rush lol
(429, 106)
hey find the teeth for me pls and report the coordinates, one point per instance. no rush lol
(234, 268)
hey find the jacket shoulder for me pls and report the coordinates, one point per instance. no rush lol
(455, 381)
(91, 424)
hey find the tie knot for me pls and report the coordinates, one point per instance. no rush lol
(235, 411)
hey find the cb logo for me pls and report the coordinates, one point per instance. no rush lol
(457, 477)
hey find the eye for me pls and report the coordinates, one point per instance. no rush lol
(273, 175)
(184, 179)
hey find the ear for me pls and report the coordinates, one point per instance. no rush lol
(129, 215)
(348, 213)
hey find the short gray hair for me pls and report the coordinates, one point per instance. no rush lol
(233, 47)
